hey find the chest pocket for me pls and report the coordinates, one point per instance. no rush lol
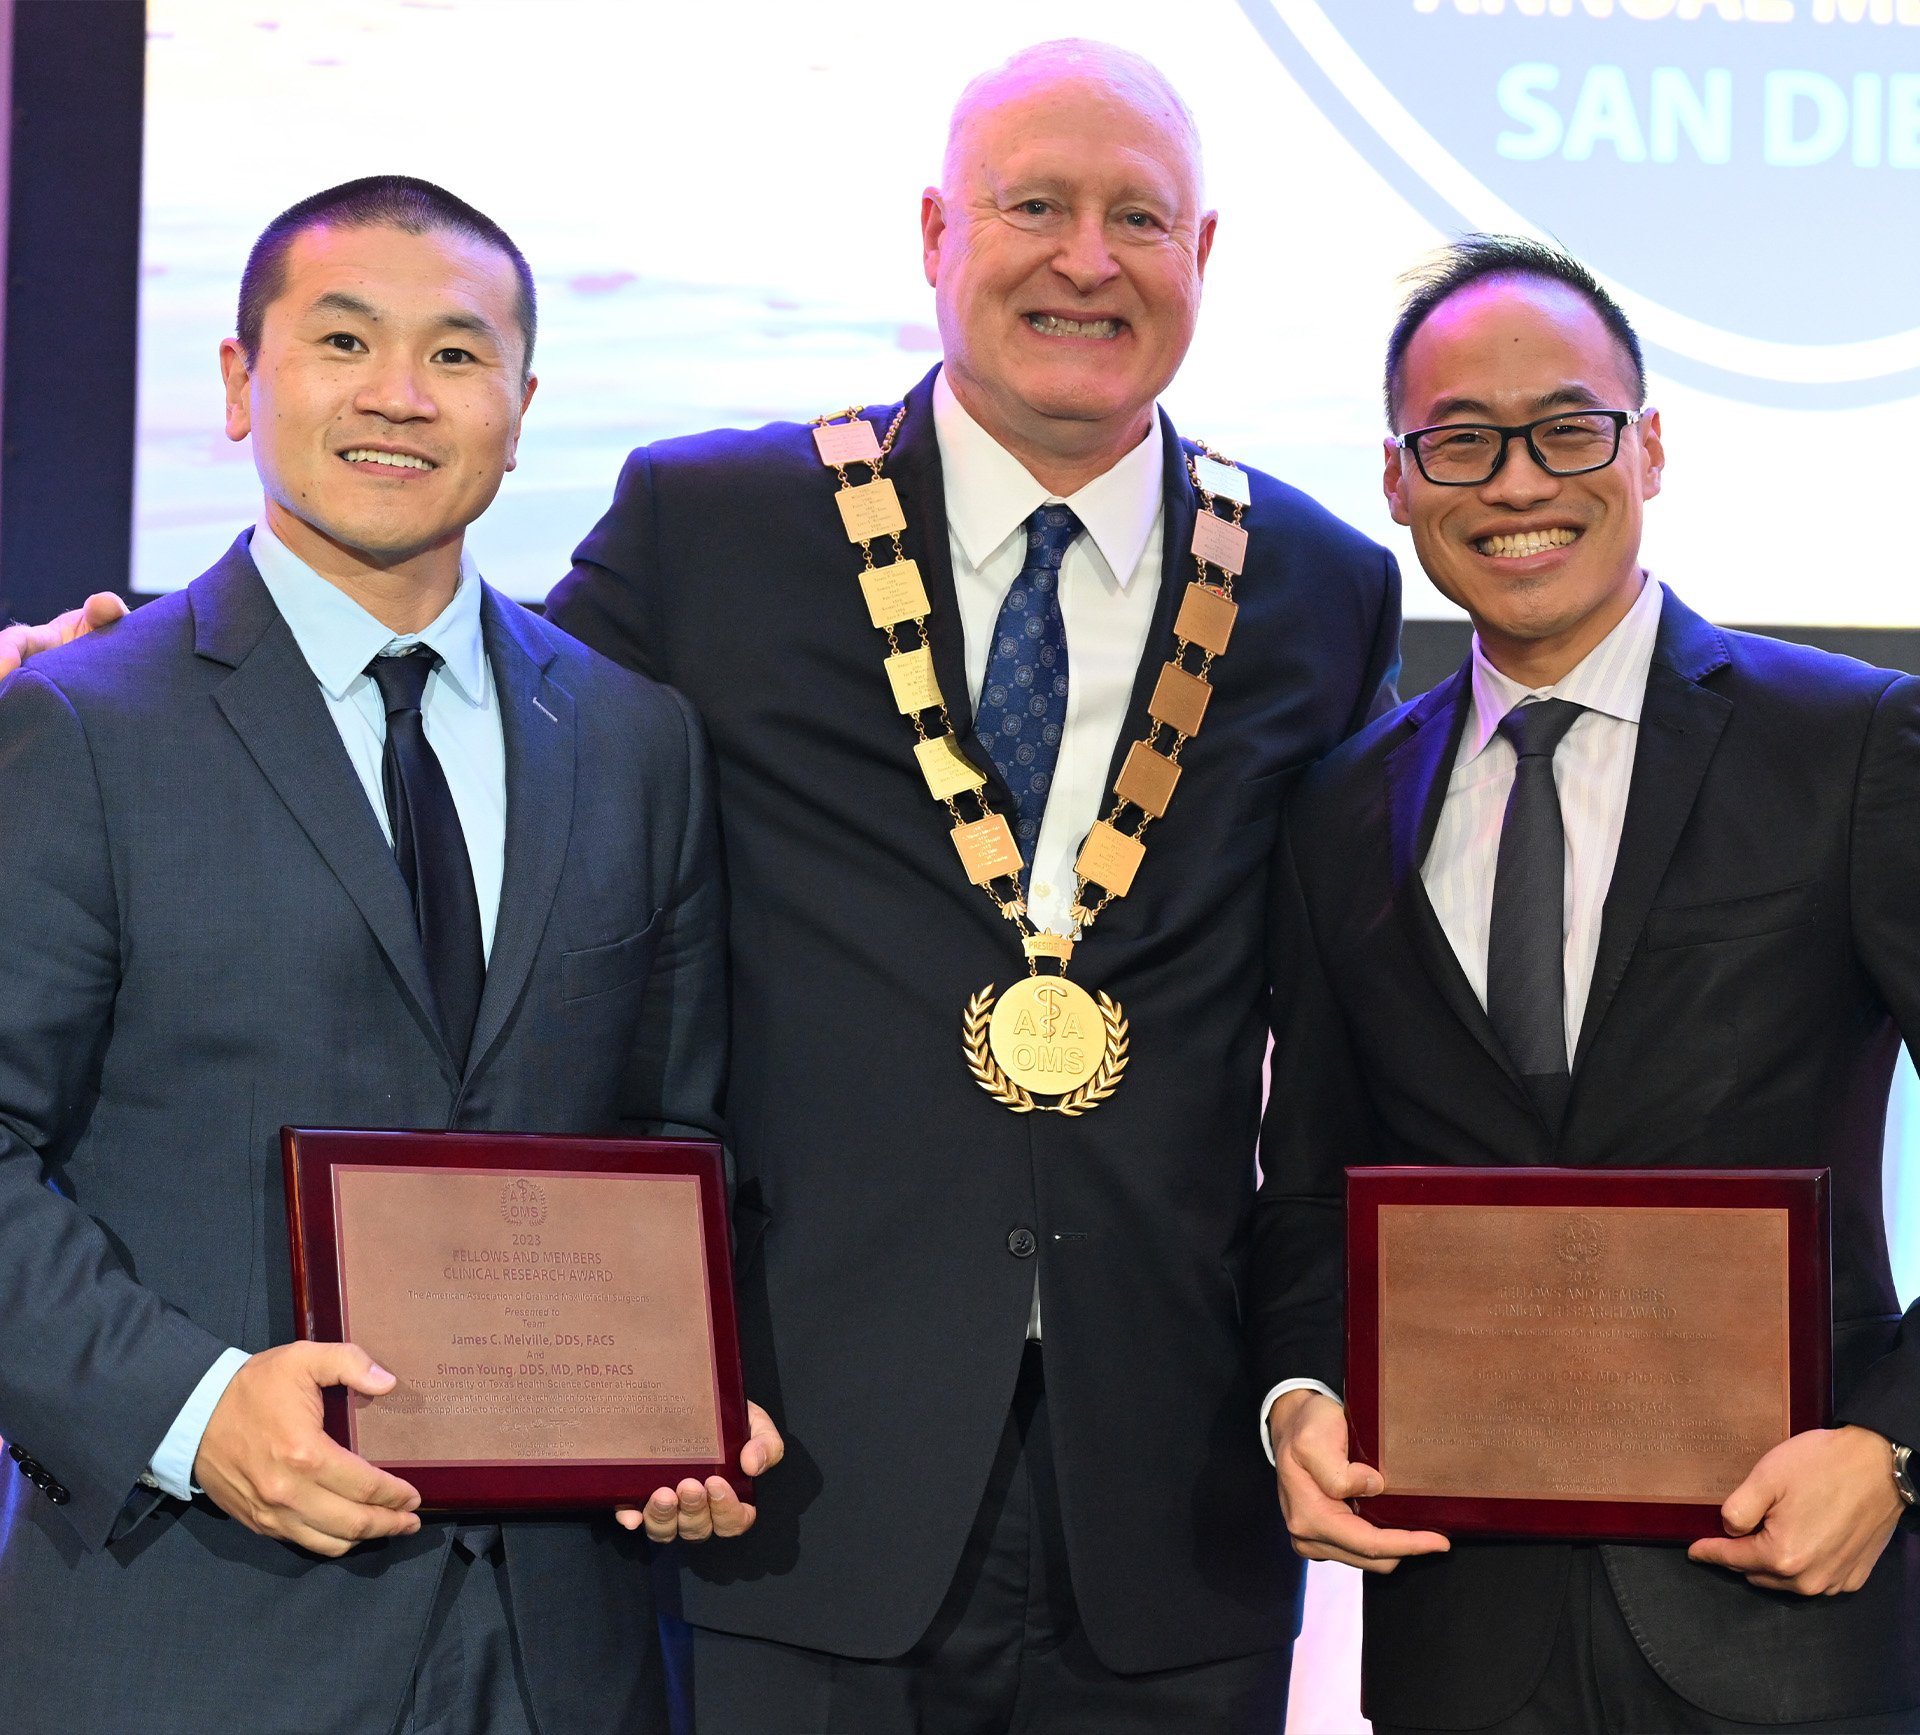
(1733, 918)
(603, 969)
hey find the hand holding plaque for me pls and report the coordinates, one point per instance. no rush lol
(1317, 1479)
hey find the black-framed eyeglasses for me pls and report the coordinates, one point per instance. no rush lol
(1465, 454)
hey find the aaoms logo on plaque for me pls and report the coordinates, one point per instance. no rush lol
(1744, 173)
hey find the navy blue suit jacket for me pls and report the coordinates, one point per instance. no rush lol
(208, 938)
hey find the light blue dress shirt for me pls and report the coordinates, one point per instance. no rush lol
(461, 716)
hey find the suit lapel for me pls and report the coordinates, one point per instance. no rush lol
(1680, 725)
(537, 722)
(1178, 506)
(1418, 771)
(273, 703)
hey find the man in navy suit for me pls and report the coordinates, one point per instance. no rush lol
(336, 835)
(1025, 1489)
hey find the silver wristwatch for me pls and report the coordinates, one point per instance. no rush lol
(1903, 1477)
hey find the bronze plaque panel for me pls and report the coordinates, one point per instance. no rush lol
(1206, 618)
(1180, 700)
(557, 1316)
(1581, 1352)
(1147, 779)
(987, 849)
(1111, 857)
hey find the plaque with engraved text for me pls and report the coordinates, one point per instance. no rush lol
(1580, 1352)
(558, 1312)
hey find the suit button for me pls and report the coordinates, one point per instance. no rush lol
(16, 1454)
(58, 1495)
(1020, 1243)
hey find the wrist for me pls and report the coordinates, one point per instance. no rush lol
(1288, 1405)
(1903, 1475)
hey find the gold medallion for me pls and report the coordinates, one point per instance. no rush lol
(1049, 1036)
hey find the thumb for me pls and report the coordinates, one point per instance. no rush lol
(1743, 1511)
(101, 609)
(347, 1364)
(1325, 1459)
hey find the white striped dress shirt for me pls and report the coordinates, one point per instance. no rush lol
(1592, 770)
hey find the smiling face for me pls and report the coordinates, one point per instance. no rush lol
(1546, 565)
(384, 399)
(1066, 253)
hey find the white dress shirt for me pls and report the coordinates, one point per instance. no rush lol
(1592, 771)
(460, 714)
(1109, 583)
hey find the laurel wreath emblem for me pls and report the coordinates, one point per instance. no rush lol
(988, 1075)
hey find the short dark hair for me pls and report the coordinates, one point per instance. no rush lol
(375, 201)
(1471, 259)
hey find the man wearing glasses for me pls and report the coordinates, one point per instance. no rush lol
(1627, 890)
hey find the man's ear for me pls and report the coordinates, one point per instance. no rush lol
(933, 227)
(1393, 483)
(1655, 462)
(526, 397)
(237, 372)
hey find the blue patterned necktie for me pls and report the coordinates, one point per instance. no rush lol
(1023, 701)
(1526, 938)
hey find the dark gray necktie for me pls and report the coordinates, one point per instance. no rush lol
(431, 848)
(1526, 940)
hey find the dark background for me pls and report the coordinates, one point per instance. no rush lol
(72, 305)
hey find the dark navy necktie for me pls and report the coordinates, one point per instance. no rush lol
(431, 848)
(1526, 939)
(1023, 701)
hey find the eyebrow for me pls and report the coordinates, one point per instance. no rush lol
(1566, 397)
(338, 301)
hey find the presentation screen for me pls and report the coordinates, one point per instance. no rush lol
(721, 205)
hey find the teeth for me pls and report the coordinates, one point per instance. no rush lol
(366, 455)
(1050, 325)
(1527, 542)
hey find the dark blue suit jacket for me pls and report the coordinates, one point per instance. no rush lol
(208, 938)
(884, 1293)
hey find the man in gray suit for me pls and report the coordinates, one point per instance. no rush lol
(335, 836)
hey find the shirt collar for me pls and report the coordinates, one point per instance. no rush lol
(989, 493)
(339, 638)
(1610, 678)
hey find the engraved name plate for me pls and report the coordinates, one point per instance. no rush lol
(1220, 541)
(894, 593)
(843, 443)
(870, 510)
(1582, 1352)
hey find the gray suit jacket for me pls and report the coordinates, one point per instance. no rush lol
(207, 938)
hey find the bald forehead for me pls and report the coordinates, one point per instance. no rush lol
(1057, 74)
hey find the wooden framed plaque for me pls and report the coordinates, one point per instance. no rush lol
(1580, 1352)
(558, 1311)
